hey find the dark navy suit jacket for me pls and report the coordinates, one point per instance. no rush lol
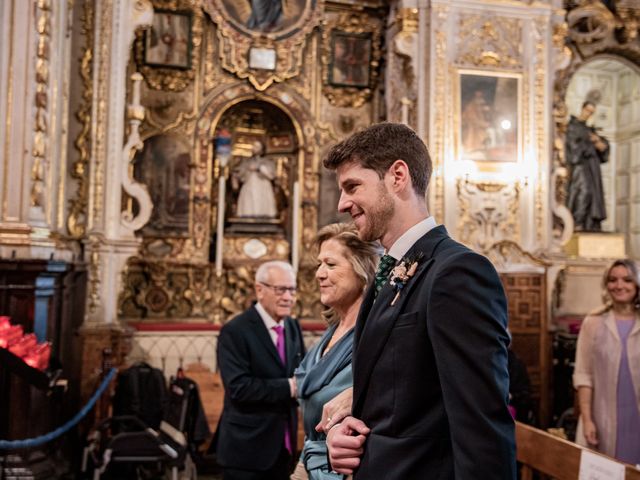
(430, 372)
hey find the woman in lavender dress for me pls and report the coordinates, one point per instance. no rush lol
(607, 372)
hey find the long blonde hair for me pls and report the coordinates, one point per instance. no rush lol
(363, 256)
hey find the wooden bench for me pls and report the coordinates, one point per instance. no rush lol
(550, 455)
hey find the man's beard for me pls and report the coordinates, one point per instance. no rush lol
(377, 221)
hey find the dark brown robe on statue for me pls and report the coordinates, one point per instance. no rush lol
(586, 196)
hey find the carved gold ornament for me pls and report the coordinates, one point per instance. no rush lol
(40, 142)
(490, 41)
(264, 52)
(76, 221)
(590, 22)
(488, 213)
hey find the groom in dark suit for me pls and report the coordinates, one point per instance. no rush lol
(257, 354)
(430, 347)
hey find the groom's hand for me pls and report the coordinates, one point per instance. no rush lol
(345, 442)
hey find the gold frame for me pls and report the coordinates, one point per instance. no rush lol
(167, 77)
(348, 23)
(288, 45)
(488, 164)
(188, 15)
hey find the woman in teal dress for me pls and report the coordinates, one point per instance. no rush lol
(346, 265)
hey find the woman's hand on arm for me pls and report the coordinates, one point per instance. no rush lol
(335, 410)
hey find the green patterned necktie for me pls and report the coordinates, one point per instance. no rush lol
(387, 262)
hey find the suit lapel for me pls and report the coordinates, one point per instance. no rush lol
(262, 334)
(291, 344)
(376, 322)
(365, 308)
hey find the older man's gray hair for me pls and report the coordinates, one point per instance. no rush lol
(262, 274)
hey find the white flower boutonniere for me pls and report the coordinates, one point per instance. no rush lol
(402, 272)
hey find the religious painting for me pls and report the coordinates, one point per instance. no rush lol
(266, 16)
(168, 42)
(163, 165)
(350, 59)
(489, 116)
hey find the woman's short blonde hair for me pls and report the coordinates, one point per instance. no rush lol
(632, 268)
(363, 256)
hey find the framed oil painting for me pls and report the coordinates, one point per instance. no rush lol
(168, 42)
(350, 59)
(489, 117)
(163, 165)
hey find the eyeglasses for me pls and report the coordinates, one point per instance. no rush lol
(278, 290)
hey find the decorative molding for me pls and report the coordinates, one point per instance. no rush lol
(402, 68)
(540, 28)
(288, 44)
(488, 213)
(441, 90)
(507, 255)
(355, 24)
(490, 41)
(135, 190)
(41, 124)
(77, 218)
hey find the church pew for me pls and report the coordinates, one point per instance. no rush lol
(542, 452)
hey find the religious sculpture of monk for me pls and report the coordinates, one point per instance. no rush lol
(585, 150)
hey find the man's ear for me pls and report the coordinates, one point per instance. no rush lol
(399, 175)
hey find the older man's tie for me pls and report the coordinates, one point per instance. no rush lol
(280, 346)
(387, 262)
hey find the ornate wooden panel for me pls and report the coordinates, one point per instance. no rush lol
(528, 323)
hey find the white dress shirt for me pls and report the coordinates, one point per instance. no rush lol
(402, 245)
(269, 322)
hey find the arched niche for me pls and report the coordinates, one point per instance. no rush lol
(258, 192)
(612, 84)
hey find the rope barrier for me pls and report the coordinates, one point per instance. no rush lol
(42, 439)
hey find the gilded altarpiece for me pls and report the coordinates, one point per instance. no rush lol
(489, 201)
(253, 92)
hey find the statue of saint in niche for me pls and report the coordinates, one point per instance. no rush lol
(585, 150)
(254, 176)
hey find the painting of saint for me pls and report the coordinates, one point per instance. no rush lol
(163, 166)
(265, 15)
(488, 118)
(351, 57)
(167, 43)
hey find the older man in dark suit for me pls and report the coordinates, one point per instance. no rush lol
(257, 354)
(430, 347)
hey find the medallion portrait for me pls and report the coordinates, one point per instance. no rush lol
(265, 16)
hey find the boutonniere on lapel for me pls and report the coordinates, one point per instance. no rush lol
(402, 272)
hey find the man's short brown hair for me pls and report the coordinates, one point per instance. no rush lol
(378, 146)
